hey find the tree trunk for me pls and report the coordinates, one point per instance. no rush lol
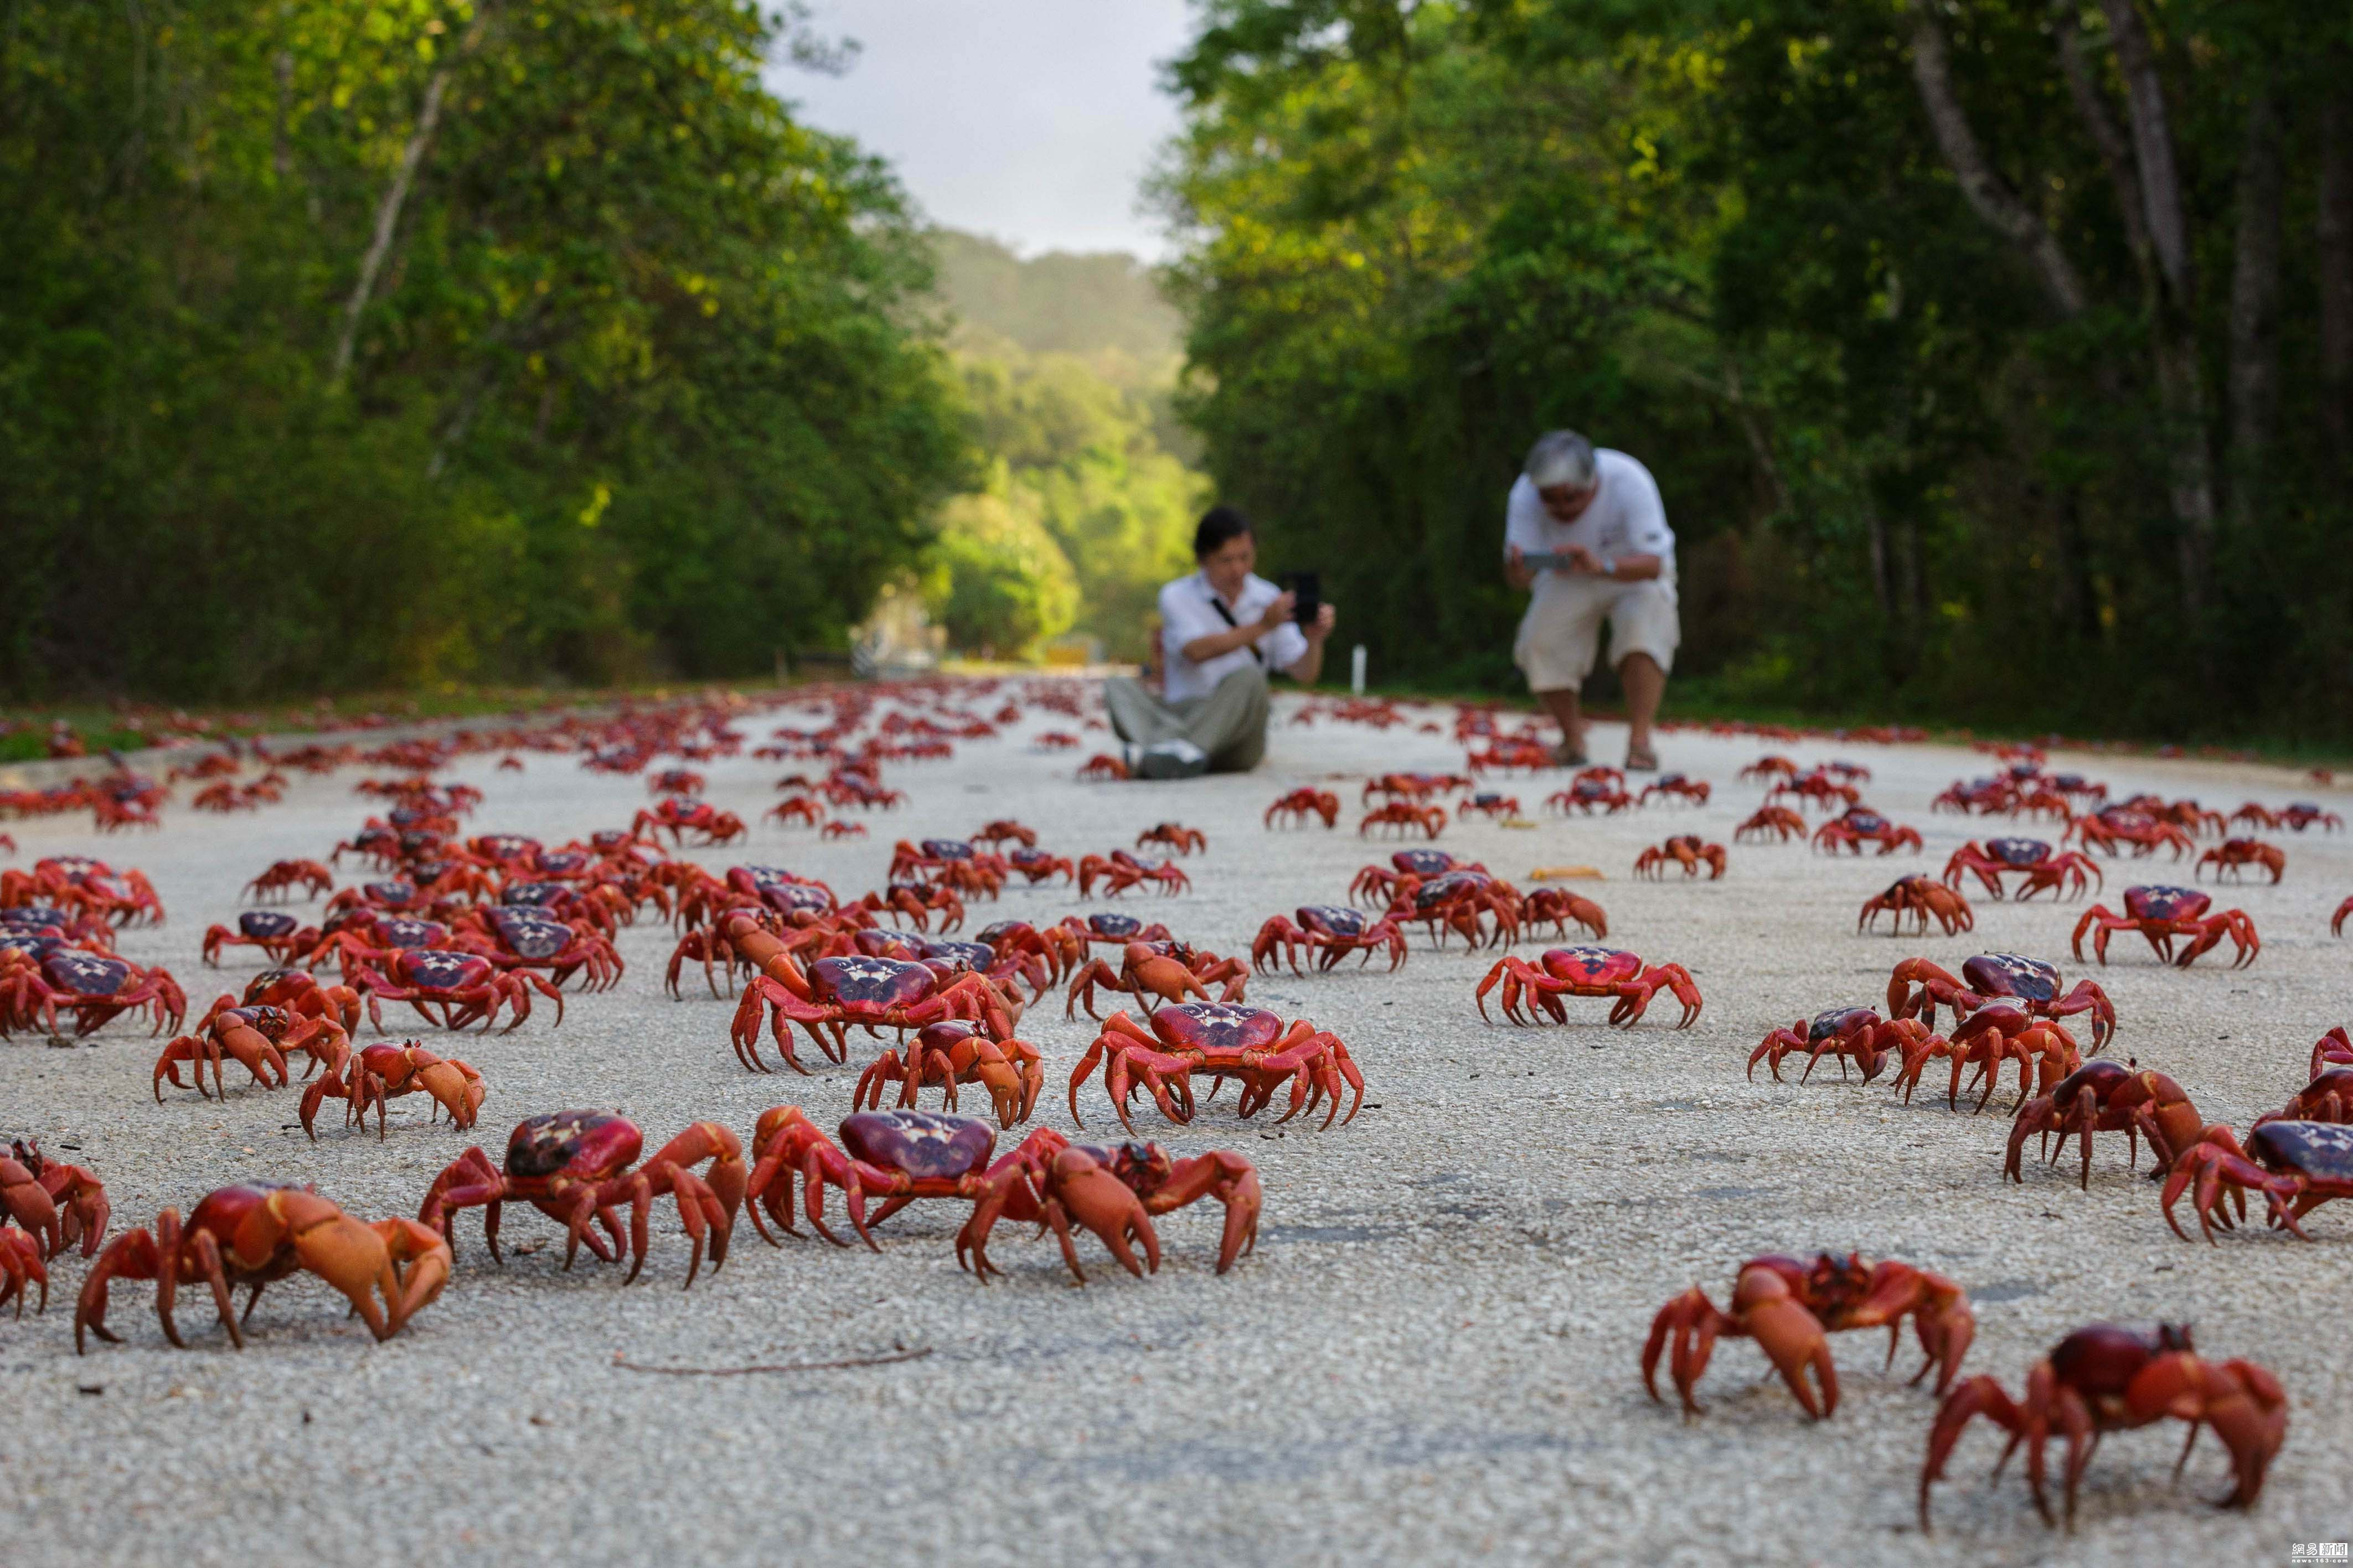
(395, 194)
(2254, 305)
(2332, 237)
(1987, 193)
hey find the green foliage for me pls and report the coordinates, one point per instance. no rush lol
(633, 390)
(1727, 241)
(1085, 491)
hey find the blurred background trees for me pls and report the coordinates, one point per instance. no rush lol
(1994, 357)
(367, 343)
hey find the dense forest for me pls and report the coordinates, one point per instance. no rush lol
(366, 343)
(1995, 356)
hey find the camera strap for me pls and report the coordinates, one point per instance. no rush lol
(1226, 615)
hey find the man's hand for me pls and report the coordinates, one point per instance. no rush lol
(1582, 562)
(1322, 627)
(1515, 571)
(1277, 613)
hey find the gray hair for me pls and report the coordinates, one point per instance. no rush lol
(1561, 458)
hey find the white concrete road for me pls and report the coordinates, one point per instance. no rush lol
(1430, 1358)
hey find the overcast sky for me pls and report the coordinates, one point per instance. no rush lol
(1032, 120)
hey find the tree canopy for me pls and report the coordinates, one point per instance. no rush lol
(354, 343)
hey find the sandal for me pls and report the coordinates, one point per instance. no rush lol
(1568, 756)
(1641, 762)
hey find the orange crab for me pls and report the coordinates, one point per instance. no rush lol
(1686, 849)
(1791, 1308)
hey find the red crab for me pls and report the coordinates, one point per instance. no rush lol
(299, 992)
(1329, 930)
(1775, 822)
(1856, 1034)
(2296, 1166)
(2062, 874)
(1587, 971)
(2234, 854)
(284, 875)
(256, 1233)
(465, 986)
(1177, 836)
(1987, 1038)
(1557, 907)
(1223, 1040)
(1490, 805)
(258, 1037)
(1675, 786)
(56, 1205)
(95, 988)
(1407, 869)
(276, 933)
(2327, 1098)
(1103, 766)
(1465, 901)
(576, 1166)
(918, 902)
(1123, 870)
(1769, 767)
(1406, 817)
(2161, 914)
(1039, 866)
(1591, 792)
(1790, 1308)
(515, 938)
(674, 781)
(2026, 982)
(898, 1155)
(1166, 971)
(2106, 1095)
(841, 829)
(1918, 897)
(804, 809)
(1686, 849)
(1817, 788)
(2105, 1379)
(2303, 814)
(1113, 1192)
(1856, 826)
(383, 1072)
(1004, 831)
(679, 817)
(1297, 806)
(2113, 829)
(837, 995)
(957, 1052)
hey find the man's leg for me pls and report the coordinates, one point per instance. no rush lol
(1230, 723)
(1645, 683)
(1138, 717)
(1561, 703)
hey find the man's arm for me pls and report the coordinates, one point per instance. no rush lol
(1209, 646)
(1308, 665)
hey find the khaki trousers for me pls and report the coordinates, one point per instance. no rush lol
(1229, 723)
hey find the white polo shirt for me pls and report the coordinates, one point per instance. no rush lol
(1188, 610)
(1625, 519)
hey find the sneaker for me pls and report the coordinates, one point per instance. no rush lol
(1171, 759)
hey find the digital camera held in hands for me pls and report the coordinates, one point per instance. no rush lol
(1309, 587)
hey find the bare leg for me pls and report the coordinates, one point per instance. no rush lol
(1645, 683)
(1561, 703)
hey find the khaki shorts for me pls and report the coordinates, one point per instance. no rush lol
(1562, 630)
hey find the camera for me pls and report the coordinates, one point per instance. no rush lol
(1309, 587)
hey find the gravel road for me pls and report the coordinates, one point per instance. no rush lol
(1432, 1355)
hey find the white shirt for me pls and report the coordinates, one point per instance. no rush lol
(1188, 610)
(1625, 519)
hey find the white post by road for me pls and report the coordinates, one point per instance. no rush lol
(1356, 671)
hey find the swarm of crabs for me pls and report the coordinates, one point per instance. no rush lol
(930, 974)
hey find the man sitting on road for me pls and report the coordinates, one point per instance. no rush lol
(1222, 631)
(1598, 518)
